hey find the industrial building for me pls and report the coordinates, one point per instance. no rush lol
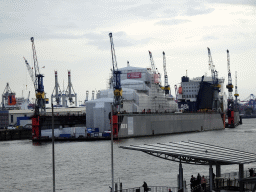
(22, 117)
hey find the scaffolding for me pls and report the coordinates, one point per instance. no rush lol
(158, 100)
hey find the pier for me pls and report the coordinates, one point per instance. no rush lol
(223, 183)
(196, 153)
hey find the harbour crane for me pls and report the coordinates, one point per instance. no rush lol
(57, 90)
(70, 92)
(87, 96)
(229, 86)
(155, 74)
(30, 71)
(166, 86)
(8, 97)
(38, 83)
(116, 77)
(215, 83)
(41, 100)
(250, 101)
(153, 69)
(236, 92)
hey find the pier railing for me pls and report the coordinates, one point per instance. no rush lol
(229, 181)
(151, 189)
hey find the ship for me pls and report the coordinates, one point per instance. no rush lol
(146, 110)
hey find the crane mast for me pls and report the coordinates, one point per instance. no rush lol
(215, 83)
(211, 66)
(153, 69)
(39, 86)
(236, 92)
(229, 86)
(166, 86)
(155, 74)
(30, 71)
(214, 73)
(116, 80)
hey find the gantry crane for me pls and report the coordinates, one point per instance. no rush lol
(57, 90)
(215, 83)
(8, 97)
(70, 92)
(236, 92)
(166, 85)
(230, 97)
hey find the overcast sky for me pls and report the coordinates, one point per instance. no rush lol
(73, 35)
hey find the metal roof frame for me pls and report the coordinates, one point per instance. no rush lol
(192, 152)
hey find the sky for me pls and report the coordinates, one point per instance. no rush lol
(74, 35)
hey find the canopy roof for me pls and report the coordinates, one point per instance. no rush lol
(193, 152)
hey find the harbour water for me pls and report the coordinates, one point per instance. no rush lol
(86, 166)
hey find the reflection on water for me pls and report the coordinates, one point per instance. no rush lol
(86, 166)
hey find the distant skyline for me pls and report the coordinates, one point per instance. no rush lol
(73, 35)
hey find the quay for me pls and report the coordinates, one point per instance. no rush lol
(15, 134)
(48, 139)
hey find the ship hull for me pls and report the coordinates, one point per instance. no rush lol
(137, 125)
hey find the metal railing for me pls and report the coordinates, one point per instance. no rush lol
(151, 189)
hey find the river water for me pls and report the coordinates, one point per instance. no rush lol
(86, 166)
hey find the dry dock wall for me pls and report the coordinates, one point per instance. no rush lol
(134, 125)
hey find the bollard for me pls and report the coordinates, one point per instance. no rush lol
(120, 187)
(116, 187)
(184, 184)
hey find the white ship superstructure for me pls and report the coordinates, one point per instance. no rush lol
(189, 90)
(141, 93)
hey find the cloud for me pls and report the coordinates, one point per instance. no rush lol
(239, 2)
(198, 11)
(120, 39)
(147, 10)
(207, 38)
(172, 22)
